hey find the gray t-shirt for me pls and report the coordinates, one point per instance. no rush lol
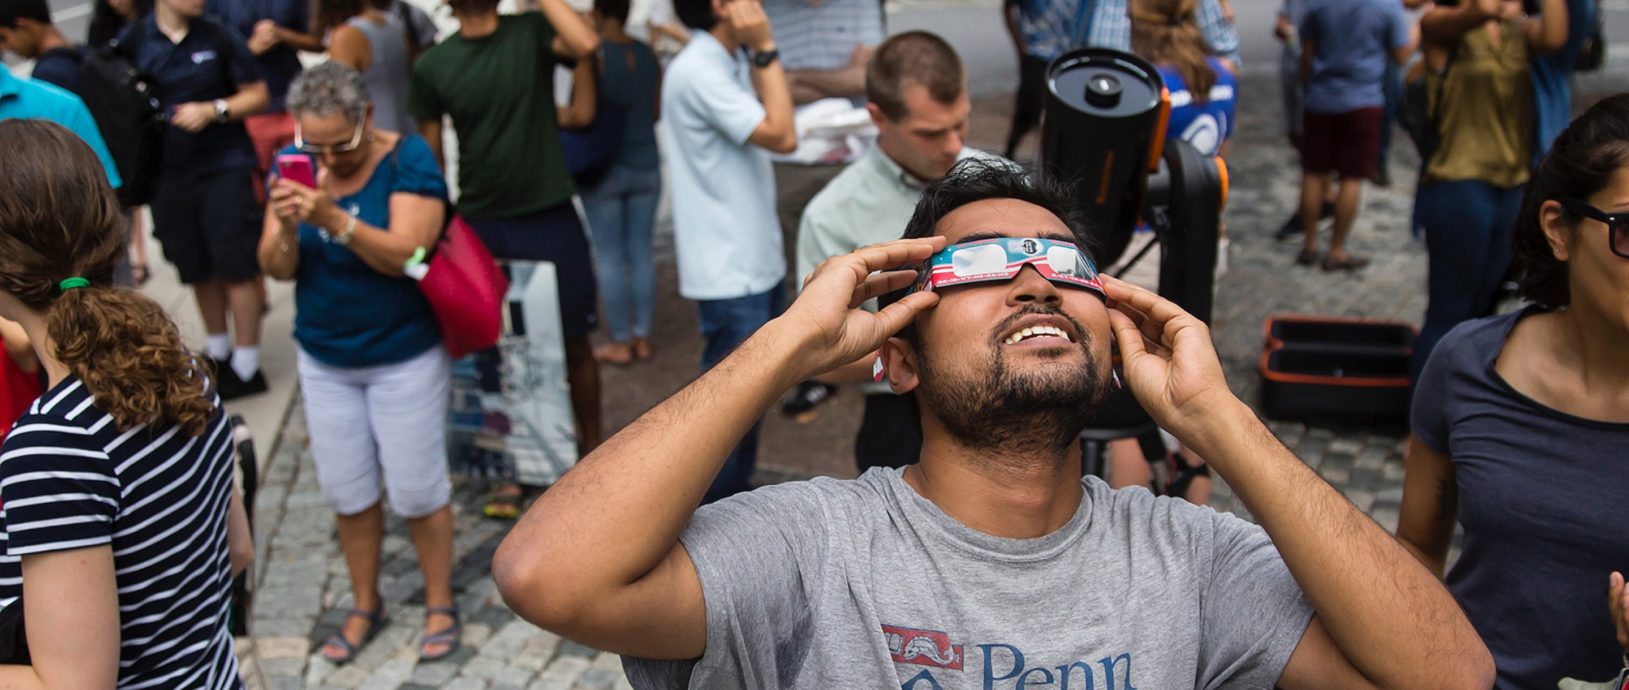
(863, 584)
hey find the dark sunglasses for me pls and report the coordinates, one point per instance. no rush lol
(1617, 223)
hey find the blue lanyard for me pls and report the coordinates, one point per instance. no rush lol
(1083, 23)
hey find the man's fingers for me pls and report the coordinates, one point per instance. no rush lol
(1169, 319)
(1151, 331)
(1127, 336)
(897, 253)
(881, 283)
(895, 316)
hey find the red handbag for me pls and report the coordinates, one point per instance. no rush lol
(465, 288)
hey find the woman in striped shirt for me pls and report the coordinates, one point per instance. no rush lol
(116, 485)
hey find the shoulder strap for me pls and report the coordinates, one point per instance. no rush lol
(406, 17)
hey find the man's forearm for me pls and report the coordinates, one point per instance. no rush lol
(1387, 614)
(776, 95)
(300, 40)
(615, 515)
(839, 83)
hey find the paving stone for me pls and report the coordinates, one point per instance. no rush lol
(597, 679)
(433, 675)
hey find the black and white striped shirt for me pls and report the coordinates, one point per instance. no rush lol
(70, 479)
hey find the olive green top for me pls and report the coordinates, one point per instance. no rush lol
(1484, 110)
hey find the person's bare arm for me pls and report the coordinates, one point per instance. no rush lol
(778, 132)
(1547, 33)
(1443, 26)
(415, 222)
(1009, 17)
(349, 46)
(240, 540)
(848, 81)
(431, 131)
(573, 37)
(1425, 525)
(1383, 620)
(584, 96)
(299, 40)
(597, 558)
(18, 347)
(250, 99)
(279, 250)
(71, 614)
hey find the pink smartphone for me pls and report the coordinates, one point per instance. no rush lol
(297, 167)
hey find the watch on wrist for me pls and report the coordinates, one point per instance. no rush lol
(765, 58)
(220, 110)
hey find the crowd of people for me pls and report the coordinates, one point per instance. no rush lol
(964, 544)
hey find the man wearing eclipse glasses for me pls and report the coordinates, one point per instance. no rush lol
(990, 563)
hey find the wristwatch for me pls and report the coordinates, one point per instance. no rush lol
(220, 110)
(765, 58)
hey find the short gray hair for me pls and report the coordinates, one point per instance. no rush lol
(327, 89)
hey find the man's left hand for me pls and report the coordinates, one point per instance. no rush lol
(1168, 357)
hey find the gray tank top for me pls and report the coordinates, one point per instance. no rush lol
(388, 73)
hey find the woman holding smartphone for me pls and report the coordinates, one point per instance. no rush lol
(1521, 420)
(122, 529)
(373, 373)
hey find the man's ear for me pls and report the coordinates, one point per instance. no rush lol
(875, 111)
(899, 363)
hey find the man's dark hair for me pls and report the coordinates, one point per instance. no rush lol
(695, 14)
(913, 57)
(976, 180)
(1580, 164)
(613, 9)
(13, 10)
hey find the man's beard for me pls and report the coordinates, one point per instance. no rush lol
(1009, 412)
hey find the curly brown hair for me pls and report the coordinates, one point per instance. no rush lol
(59, 219)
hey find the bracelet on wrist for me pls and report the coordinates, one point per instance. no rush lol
(344, 237)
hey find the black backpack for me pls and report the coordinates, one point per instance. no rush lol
(124, 102)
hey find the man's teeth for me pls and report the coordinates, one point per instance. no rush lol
(1037, 331)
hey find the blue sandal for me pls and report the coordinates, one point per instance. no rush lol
(450, 635)
(376, 622)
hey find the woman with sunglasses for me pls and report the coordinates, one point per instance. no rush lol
(373, 374)
(1521, 426)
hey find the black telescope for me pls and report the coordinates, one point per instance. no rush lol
(1104, 132)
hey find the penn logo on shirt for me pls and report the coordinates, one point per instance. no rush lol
(202, 57)
(1001, 666)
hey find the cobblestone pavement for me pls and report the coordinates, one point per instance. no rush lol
(305, 589)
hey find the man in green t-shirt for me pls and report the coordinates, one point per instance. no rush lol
(495, 78)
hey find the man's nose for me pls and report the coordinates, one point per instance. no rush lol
(1030, 286)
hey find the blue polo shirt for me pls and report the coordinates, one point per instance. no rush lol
(281, 64)
(25, 99)
(210, 62)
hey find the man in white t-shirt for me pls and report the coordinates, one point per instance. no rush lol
(718, 137)
(990, 563)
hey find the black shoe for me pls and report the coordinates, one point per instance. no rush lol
(806, 397)
(232, 387)
(1292, 227)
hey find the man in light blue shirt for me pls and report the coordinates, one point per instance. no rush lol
(718, 136)
(23, 99)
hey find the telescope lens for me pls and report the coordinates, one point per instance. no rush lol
(1103, 90)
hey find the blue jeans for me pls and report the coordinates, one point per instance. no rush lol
(621, 212)
(1468, 232)
(725, 324)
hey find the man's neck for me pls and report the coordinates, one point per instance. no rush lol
(170, 22)
(52, 39)
(886, 149)
(1010, 497)
(477, 25)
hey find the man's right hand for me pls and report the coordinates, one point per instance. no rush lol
(827, 321)
(750, 24)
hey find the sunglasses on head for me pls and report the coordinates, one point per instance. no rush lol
(1617, 224)
(1001, 258)
(319, 149)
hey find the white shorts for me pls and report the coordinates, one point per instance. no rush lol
(386, 420)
